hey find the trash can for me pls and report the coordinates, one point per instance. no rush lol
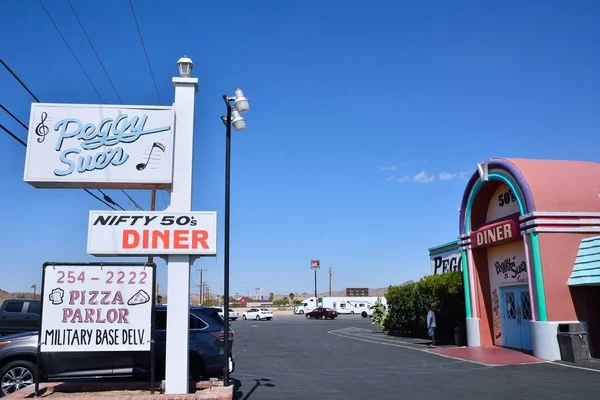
(573, 343)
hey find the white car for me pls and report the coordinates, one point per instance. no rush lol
(233, 315)
(258, 314)
(369, 312)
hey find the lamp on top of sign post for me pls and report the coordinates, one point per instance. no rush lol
(241, 105)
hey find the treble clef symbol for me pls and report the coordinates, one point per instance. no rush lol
(41, 129)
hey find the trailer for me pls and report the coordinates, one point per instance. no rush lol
(343, 305)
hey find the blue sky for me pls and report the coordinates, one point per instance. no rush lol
(364, 117)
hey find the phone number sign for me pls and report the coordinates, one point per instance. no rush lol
(135, 233)
(97, 308)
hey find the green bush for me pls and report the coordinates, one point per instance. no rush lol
(406, 305)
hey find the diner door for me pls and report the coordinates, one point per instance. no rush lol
(516, 317)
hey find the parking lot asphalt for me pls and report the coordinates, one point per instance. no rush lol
(295, 358)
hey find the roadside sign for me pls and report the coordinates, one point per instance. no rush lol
(99, 146)
(315, 264)
(137, 233)
(97, 307)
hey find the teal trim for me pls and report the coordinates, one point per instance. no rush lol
(494, 176)
(536, 259)
(535, 244)
(449, 249)
(586, 270)
(465, 271)
(442, 246)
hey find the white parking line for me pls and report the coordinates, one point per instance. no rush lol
(408, 347)
(574, 366)
(343, 333)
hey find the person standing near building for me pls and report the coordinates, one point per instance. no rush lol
(431, 325)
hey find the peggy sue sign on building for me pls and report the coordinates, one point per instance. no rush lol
(99, 146)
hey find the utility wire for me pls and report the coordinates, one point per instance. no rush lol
(13, 135)
(14, 117)
(25, 126)
(98, 198)
(109, 200)
(25, 144)
(71, 50)
(88, 77)
(95, 52)
(132, 200)
(145, 52)
(19, 80)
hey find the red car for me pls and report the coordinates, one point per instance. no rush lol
(322, 313)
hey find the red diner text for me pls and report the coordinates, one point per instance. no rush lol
(165, 239)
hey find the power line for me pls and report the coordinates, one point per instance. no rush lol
(109, 200)
(25, 144)
(132, 200)
(25, 126)
(71, 50)
(95, 52)
(88, 77)
(13, 135)
(145, 52)
(98, 198)
(19, 80)
(14, 117)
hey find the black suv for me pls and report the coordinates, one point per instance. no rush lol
(18, 316)
(18, 355)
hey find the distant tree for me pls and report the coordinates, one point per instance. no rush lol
(211, 303)
(271, 296)
(292, 296)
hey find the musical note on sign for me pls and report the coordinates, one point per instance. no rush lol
(41, 129)
(142, 166)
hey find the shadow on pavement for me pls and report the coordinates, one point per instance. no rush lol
(238, 392)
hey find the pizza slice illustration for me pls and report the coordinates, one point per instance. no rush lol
(141, 297)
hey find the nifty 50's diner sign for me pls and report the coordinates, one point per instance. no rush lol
(123, 233)
(99, 146)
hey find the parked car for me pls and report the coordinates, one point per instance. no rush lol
(322, 313)
(18, 355)
(368, 313)
(18, 316)
(258, 314)
(233, 315)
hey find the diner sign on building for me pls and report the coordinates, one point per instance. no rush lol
(497, 233)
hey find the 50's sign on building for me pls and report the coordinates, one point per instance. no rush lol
(99, 146)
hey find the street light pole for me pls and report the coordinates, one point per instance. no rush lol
(241, 106)
(226, 261)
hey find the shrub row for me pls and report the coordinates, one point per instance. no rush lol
(406, 305)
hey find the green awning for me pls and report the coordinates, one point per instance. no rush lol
(586, 270)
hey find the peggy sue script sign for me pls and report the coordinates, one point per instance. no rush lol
(99, 146)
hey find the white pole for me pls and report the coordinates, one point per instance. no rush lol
(178, 266)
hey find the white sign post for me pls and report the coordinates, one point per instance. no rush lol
(96, 308)
(178, 266)
(132, 147)
(99, 146)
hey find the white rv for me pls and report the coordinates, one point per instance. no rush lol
(343, 305)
